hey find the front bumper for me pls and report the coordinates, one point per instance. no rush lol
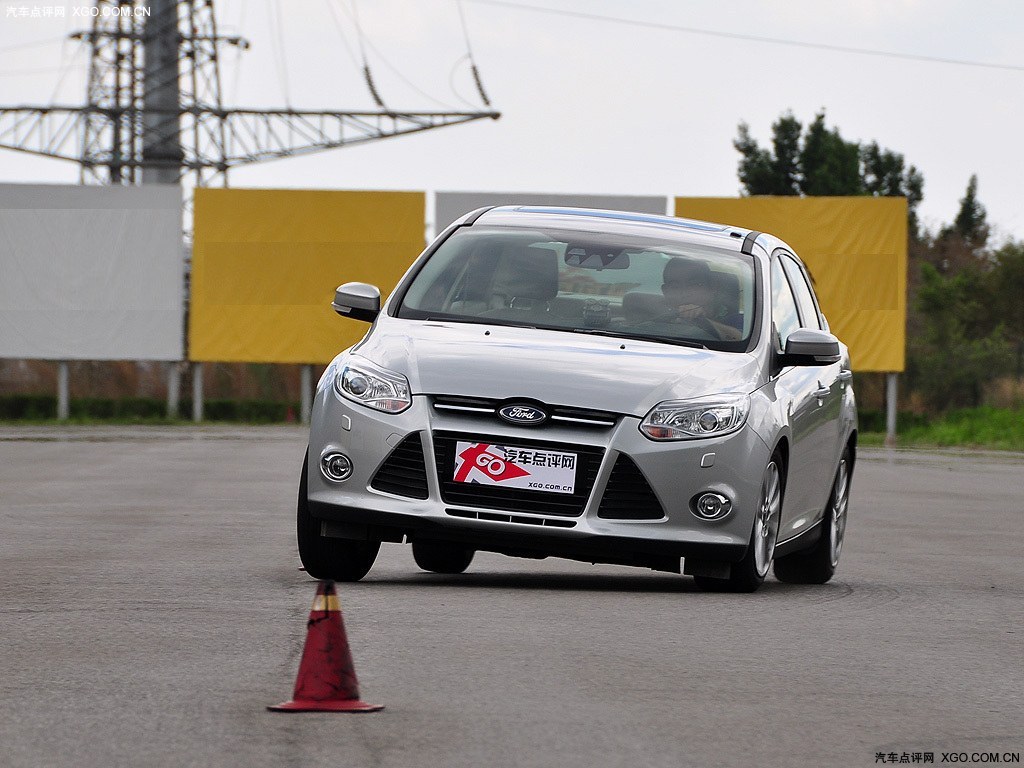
(675, 471)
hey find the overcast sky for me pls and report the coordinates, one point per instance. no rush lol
(601, 106)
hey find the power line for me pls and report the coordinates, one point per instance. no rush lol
(364, 44)
(33, 44)
(472, 62)
(750, 38)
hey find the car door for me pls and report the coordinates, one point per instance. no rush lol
(811, 402)
(831, 381)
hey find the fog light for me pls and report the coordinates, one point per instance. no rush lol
(712, 506)
(336, 466)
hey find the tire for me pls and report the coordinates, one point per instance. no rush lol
(442, 556)
(818, 564)
(749, 573)
(324, 557)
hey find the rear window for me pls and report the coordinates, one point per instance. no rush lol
(583, 282)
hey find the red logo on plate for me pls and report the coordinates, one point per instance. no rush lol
(480, 458)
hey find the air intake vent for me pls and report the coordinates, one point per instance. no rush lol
(628, 495)
(404, 472)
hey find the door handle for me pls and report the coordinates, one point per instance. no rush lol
(845, 375)
(822, 391)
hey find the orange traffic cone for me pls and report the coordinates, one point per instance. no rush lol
(327, 677)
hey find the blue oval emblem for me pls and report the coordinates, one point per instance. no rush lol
(522, 414)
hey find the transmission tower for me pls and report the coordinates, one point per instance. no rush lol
(154, 113)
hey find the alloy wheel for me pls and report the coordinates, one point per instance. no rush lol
(766, 524)
(840, 502)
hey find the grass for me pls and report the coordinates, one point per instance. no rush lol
(985, 427)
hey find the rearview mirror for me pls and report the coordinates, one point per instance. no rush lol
(595, 258)
(809, 346)
(359, 301)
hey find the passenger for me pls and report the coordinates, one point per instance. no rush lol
(688, 289)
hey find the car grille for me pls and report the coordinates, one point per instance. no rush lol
(404, 472)
(516, 499)
(628, 495)
(559, 415)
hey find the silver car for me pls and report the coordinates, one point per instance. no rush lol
(597, 385)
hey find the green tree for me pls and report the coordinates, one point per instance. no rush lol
(771, 173)
(819, 161)
(962, 245)
(961, 345)
(885, 174)
(970, 223)
(1007, 280)
(830, 165)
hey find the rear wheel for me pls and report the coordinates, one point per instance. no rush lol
(324, 557)
(442, 556)
(749, 573)
(818, 564)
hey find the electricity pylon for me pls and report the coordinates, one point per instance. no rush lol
(154, 113)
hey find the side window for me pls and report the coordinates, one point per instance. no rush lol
(808, 310)
(784, 313)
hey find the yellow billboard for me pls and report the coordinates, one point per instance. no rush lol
(265, 263)
(856, 250)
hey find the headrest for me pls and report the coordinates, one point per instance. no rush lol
(686, 272)
(727, 285)
(531, 273)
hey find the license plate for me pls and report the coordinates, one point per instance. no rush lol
(532, 469)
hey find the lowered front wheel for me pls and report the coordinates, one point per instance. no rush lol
(441, 556)
(749, 573)
(325, 557)
(818, 564)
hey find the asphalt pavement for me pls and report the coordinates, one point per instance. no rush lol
(151, 606)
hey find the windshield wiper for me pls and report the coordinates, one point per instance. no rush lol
(479, 321)
(639, 337)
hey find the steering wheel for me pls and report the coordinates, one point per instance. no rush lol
(671, 316)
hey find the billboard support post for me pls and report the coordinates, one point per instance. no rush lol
(890, 410)
(197, 392)
(306, 384)
(173, 390)
(63, 398)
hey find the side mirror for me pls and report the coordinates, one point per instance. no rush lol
(358, 301)
(808, 346)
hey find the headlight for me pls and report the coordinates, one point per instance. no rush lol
(690, 419)
(372, 386)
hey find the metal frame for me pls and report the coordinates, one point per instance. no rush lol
(154, 113)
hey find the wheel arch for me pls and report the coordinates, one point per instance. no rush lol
(851, 445)
(782, 449)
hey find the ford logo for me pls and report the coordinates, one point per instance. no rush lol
(522, 414)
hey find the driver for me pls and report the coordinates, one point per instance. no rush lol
(688, 290)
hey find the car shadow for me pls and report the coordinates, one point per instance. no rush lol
(580, 582)
(651, 583)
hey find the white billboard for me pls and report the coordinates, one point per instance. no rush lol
(451, 205)
(91, 273)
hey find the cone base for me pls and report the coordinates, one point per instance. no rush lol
(330, 705)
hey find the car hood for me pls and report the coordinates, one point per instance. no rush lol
(555, 367)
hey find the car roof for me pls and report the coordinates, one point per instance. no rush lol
(594, 219)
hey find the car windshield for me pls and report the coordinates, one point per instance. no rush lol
(619, 285)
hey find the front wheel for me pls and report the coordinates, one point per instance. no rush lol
(441, 556)
(325, 557)
(818, 564)
(749, 573)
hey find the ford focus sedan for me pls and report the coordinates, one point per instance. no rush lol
(597, 385)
